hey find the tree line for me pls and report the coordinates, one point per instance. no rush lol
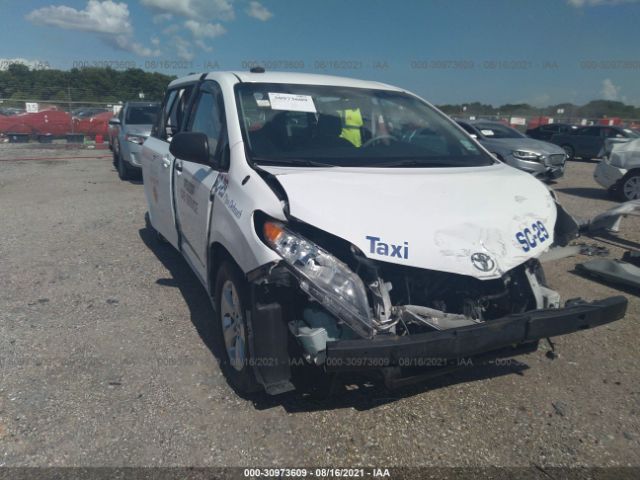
(91, 84)
(107, 85)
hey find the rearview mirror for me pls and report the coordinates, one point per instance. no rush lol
(114, 121)
(192, 147)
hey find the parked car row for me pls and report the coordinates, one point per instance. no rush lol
(56, 123)
(589, 142)
(545, 132)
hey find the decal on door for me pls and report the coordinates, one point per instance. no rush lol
(221, 184)
(220, 190)
(533, 236)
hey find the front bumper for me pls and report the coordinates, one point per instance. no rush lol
(553, 172)
(544, 169)
(607, 175)
(131, 153)
(433, 347)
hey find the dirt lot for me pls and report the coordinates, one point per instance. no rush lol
(105, 355)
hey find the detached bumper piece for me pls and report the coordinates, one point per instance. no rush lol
(613, 271)
(472, 340)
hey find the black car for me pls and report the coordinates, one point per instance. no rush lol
(545, 132)
(589, 142)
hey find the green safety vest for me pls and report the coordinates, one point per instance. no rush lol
(352, 121)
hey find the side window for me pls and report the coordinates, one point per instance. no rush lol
(613, 133)
(158, 128)
(589, 132)
(179, 110)
(173, 112)
(207, 118)
(468, 128)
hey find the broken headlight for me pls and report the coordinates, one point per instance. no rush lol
(323, 277)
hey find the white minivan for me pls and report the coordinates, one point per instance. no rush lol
(351, 225)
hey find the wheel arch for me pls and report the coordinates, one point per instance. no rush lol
(217, 254)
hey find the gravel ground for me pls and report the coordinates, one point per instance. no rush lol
(106, 358)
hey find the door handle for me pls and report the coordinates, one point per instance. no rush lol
(179, 166)
(166, 162)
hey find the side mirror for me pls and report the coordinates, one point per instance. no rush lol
(114, 121)
(192, 147)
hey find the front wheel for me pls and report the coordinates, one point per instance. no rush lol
(231, 301)
(569, 150)
(629, 188)
(123, 169)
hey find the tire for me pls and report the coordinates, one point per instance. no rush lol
(570, 151)
(115, 156)
(232, 333)
(629, 187)
(123, 169)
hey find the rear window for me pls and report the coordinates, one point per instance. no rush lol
(142, 115)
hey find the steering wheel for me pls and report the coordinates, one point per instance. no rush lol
(379, 138)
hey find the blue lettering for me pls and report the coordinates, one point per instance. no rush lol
(522, 241)
(383, 249)
(532, 242)
(373, 241)
(387, 249)
(531, 238)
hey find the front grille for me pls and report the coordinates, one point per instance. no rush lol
(556, 159)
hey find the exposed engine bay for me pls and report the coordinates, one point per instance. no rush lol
(401, 300)
(346, 295)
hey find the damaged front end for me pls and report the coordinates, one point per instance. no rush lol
(343, 305)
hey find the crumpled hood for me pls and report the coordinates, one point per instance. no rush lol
(427, 218)
(531, 144)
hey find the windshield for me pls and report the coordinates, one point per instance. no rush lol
(496, 130)
(305, 125)
(142, 115)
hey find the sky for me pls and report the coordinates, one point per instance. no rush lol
(448, 51)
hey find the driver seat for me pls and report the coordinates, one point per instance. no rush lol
(327, 133)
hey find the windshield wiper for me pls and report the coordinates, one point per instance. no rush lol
(295, 162)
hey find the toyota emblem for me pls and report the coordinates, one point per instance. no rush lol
(482, 262)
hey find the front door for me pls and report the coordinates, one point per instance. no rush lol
(194, 182)
(157, 164)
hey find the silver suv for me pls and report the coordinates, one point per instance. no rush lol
(127, 133)
(542, 159)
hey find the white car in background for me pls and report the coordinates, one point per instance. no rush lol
(619, 171)
(351, 225)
